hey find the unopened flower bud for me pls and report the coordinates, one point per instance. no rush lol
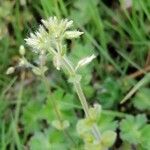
(10, 70)
(22, 50)
(72, 34)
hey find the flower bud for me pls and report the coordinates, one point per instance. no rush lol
(22, 50)
(72, 34)
(10, 70)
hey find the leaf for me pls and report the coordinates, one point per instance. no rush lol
(142, 99)
(106, 123)
(80, 51)
(39, 141)
(89, 91)
(108, 138)
(32, 114)
(131, 128)
(109, 93)
(145, 137)
(83, 127)
(95, 112)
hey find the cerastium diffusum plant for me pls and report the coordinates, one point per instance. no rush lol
(50, 40)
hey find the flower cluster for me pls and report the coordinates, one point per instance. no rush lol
(50, 33)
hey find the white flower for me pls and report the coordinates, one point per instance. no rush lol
(57, 26)
(85, 61)
(39, 40)
(48, 34)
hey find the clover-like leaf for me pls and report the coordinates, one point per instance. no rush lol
(145, 137)
(109, 93)
(39, 141)
(131, 128)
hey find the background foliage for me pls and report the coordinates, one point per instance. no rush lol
(118, 35)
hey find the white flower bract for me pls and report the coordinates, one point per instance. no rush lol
(72, 34)
(10, 70)
(85, 61)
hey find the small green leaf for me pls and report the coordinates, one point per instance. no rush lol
(131, 128)
(145, 137)
(107, 122)
(108, 138)
(39, 141)
(142, 99)
(110, 93)
(83, 127)
(95, 112)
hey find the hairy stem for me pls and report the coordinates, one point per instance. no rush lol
(79, 91)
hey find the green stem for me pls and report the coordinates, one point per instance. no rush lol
(79, 91)
(82, 98)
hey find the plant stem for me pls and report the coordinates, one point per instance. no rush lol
(79, 91)
(82, 98)
(84, 104)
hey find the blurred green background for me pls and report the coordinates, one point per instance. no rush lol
(118, 32)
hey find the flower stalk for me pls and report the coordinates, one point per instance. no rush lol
(49, 40)
(81, 95)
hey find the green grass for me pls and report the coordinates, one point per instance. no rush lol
(120, 39)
